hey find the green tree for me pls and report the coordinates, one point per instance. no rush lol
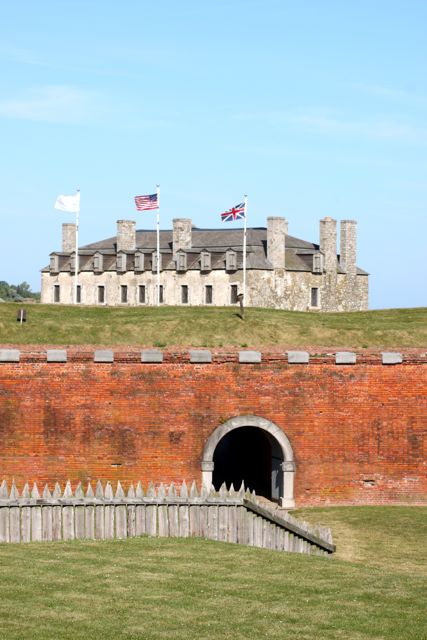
(12, 292)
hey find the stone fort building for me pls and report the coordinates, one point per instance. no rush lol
(205, 267)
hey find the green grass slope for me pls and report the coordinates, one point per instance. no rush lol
(151, 589)
(212, 327)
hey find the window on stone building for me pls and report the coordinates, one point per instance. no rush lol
(97, 262)
(231, 261)
(205, 261)
(79, 293)
(56, 293)
(154, 261)
(181, 261)
(317, 263)
(139, 261)
(161, 296)
(233, 293)
(101, 294)
(141, 294)
(54, 263)
(123, 293)
(121, 262)
(314, 297)
(184, 294)
(208, 294)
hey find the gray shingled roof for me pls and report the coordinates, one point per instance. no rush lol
(298, 252)
(210, 239)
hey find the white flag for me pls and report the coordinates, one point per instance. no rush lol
(70, 204)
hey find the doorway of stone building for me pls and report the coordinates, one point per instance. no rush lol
(252, 456)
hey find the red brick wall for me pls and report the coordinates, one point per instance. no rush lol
(349, 425)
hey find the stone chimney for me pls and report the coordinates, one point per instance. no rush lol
(68, 237)
(126, 236)
(348, 241)
(277, 228)
(181, 238)
(328, 243)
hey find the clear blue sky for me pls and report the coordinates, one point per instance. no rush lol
(312, 108)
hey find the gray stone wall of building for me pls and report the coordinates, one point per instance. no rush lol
(328, 245)
(181, 235)
(277, 229)
(348, 241)
(68, 237)
(300, 287)
(125, 235)
(328, 242)
(275, 289)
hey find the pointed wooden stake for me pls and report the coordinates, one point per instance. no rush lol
(57, 492)
(46, 493)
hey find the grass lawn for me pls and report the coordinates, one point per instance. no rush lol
(212, 327)
(375, 587)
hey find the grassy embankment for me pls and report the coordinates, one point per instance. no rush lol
(212, 327)
(374, 588)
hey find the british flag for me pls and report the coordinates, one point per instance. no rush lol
(235, 213)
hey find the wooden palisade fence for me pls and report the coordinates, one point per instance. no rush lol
(227, 515)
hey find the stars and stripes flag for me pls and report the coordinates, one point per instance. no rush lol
(235, 213)
(144, 203)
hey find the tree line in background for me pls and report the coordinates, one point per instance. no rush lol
(17, 292)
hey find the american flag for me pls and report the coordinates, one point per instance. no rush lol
(235, 213)
(143, 203)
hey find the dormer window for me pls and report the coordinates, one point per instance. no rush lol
(205, 261)
(231, 260)
(139, 261)
(98, 262)
(317, 263)
(181, 261)
(121, 262)
(154, 261)
(54, 263)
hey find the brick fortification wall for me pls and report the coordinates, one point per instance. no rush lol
(357, 430)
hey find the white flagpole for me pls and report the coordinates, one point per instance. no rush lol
(158, 245)
(244, 251)
(76, 266)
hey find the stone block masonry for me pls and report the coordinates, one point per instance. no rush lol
(357, 430)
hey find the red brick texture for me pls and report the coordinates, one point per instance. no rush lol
(358, 431)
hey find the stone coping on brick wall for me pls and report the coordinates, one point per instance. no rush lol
(204, 357)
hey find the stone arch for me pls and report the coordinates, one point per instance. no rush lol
(287, 467)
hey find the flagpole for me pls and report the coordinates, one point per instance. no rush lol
(244, 251)
(158, 245)
(76, 266)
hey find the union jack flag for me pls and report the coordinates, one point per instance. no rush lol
(235, 213)
(143, 203)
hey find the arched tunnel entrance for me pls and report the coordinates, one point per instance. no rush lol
(253, 450)
(252, 456)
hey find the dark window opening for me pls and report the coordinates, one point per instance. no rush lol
(56, 293)
(184, 294)
(208, 294)
(79, 293)
(101, 294)
(233, 294)
(161, 294)
(141, 293)
(314, 297)
(123, 293)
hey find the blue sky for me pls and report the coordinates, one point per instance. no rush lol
(312, 108)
